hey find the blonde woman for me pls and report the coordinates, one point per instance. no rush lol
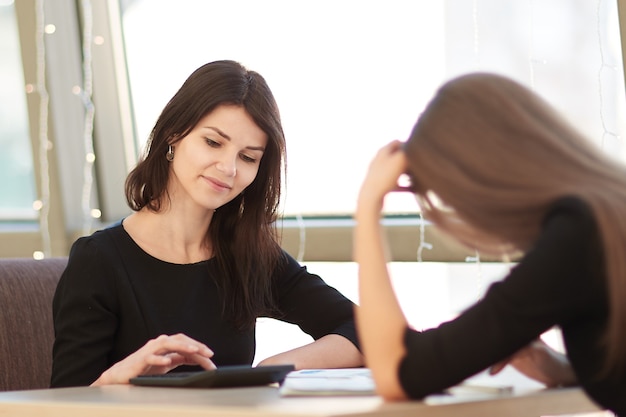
(494, 166)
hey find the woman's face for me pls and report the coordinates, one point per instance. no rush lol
(217, 160)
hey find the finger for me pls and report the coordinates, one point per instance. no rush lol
(202, 348)
(181, 344)
(175, 347)
(158, 360)
(394, 146)
(194, 359)
(204, 362)
(403, 189)
(495, 368)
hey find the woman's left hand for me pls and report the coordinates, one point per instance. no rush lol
(540, 362)
(383, 173)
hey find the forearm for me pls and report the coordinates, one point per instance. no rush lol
(380, 321)
(330, 351)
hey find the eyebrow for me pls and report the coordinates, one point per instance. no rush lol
(225, 136)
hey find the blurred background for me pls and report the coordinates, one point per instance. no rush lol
(82, 83)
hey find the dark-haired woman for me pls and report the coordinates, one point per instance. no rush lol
(182, 280)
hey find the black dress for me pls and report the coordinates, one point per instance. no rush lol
(113, 297)
(560, 282)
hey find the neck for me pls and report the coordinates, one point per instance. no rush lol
(170, 236)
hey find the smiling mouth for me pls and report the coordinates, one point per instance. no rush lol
(218, 184)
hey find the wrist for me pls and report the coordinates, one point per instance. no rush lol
(368, 207)
(562, 373)
(103, 379)
(567, 376)
(369, 216)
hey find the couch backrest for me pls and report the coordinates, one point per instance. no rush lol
(26, 331)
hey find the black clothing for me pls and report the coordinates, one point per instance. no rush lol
(113, 297)
(560, 282)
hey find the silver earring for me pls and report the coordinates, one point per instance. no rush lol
(170, 153)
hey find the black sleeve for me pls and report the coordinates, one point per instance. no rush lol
(551, 282)
(84, 314)
(317, 308)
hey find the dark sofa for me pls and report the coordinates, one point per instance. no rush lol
(26, 331)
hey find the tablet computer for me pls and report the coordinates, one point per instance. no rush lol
(224, 376)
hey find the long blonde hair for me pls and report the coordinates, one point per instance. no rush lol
(498, 156)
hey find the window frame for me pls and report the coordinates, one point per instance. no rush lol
(307, 238)
(116, 152)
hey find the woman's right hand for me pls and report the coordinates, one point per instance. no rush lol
(158, 356)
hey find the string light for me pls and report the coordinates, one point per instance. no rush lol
(479, 273)
(44, 145)
(603, 66)
(422, 241)
(476, 32)
(531, 46)
(86, 97)
(476, 259)
(302, 242)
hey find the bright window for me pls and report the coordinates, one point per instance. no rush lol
(339, 70)
(350, 75)
(17, 187)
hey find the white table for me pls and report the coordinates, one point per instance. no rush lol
(125, 400)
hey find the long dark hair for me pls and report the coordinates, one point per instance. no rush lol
(242, 232)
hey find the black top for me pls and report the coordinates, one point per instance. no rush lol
(113, 297)
(560, 282)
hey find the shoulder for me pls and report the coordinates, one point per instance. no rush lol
(100, 237)
(570, 204)
(568, 245)
(291, 275)
(286, 266)
(570, 216)
(285, 260)
(97, 249)
(92, 266)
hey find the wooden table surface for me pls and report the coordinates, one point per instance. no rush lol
(126, 400)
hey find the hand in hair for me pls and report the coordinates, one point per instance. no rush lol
(383, 174)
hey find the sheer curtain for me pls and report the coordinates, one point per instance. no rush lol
(351, 75)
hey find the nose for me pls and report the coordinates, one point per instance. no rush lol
(228, 165)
